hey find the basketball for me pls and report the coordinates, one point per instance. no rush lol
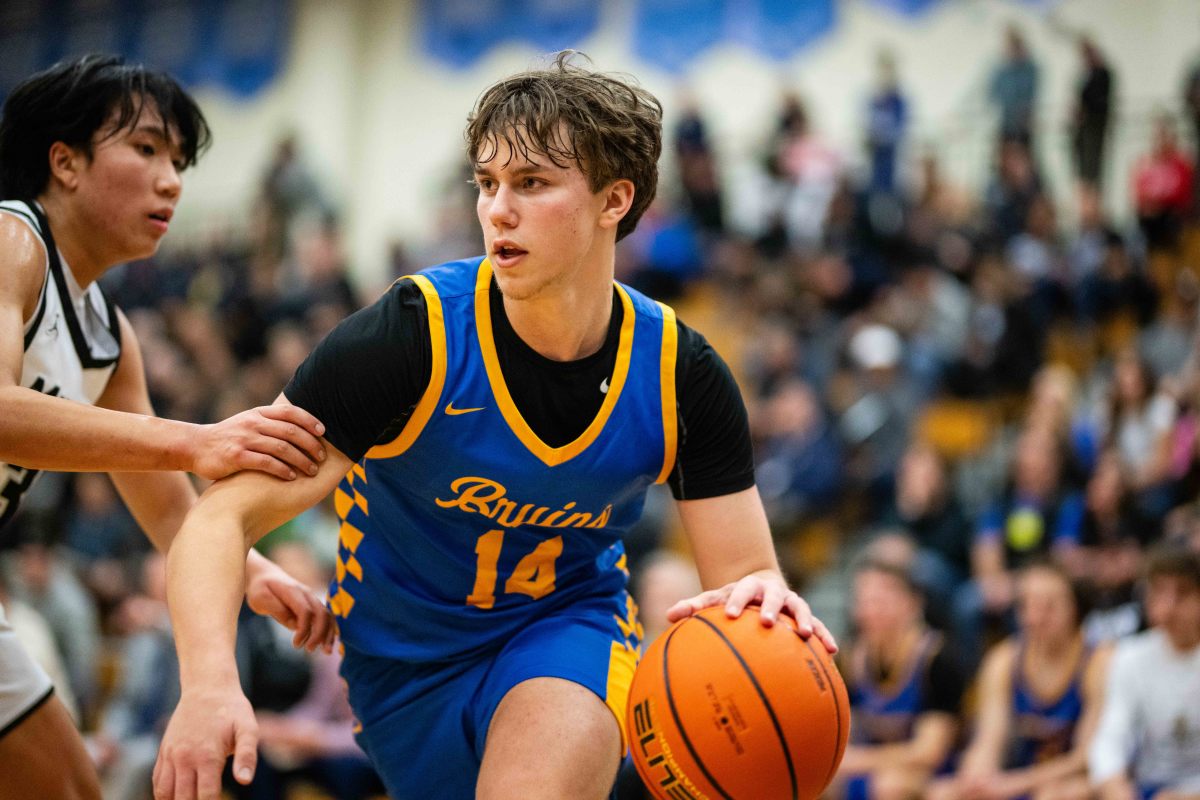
(726, 708)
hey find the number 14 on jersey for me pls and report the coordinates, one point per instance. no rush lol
(533, 576)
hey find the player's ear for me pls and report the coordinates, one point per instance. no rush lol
(618, 198)
(65, 164)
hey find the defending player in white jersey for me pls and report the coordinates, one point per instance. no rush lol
(91, 153)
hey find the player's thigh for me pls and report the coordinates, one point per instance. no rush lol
(550, 738)
(43, 756)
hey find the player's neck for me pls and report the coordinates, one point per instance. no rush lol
(565, 322)
(74, 241)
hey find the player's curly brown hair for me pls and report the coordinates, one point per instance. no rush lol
(607, 124)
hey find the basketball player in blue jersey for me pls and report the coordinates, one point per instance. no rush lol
(91, 153)
(1040, 695)
(905, 690)
(493, 425)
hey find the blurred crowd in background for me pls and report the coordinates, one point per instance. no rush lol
(956, 384)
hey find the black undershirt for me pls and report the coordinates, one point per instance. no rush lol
(364, 380)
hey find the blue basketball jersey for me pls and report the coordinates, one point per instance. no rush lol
(885, 713)
(466, 528)
(1044, 729)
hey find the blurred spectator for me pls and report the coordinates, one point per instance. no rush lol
(1013, 88)
(1089, 129)
(1036, 256)
(1162, 187)
(800, 460)
(145, 693)
(1040, 693)
(1148, 743)
(887, 122)
(1166, 342)
(1114, 535)
(1136, 421)
(812, 168)
(288, 192)
(1004, 341)
(41, 578)
(98, 524)
(932, 310)
(926, 508)
(698, 169)
(1117, 292)
(877, 401)
(905, 690)
(1011, 192)
(1036, 515)
(1086, 250)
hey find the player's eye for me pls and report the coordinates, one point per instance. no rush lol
(146, 149)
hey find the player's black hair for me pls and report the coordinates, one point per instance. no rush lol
(72, 100)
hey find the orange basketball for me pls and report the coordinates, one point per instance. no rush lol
(726, 708)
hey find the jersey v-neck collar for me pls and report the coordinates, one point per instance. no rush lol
(551, 456)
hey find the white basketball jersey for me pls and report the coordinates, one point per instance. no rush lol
(72, 343)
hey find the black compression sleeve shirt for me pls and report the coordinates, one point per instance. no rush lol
(365, 378)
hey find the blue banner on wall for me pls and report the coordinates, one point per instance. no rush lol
(239, 45)
(671, 33)
(460, 32)
(908, 8)
(779, 29)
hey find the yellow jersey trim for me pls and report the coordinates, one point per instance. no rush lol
(622, 663)
(437, 379)
(666, 388)
(550, 456)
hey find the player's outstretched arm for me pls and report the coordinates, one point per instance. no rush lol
(205, 575)
(40, 431)
(731, 542)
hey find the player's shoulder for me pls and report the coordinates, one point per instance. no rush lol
(22, 251)
(20, 237)
(448, 279)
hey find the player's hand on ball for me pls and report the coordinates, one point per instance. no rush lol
(766, 588)
(208, 725)
(280, 440)
(273, 593)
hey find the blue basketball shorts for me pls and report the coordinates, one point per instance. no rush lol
(424, 725)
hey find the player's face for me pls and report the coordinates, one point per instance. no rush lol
(541, 222)
(1173, 604)
(1046, 607)
(127, 191)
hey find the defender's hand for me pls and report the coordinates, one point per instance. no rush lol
(768, 589)
(280, 440)
(207, 726)
(273, 593)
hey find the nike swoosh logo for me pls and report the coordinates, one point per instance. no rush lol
(454, 412)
